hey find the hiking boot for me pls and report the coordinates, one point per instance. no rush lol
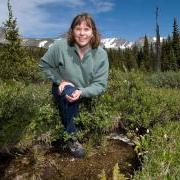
(76, 149)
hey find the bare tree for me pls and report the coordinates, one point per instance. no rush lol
(157, 64)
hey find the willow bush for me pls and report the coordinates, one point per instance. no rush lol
(139, 104)
(169, 79)
(28, 113)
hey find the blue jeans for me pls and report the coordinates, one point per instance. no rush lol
(67, 110)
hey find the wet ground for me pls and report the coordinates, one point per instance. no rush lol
(53, 163)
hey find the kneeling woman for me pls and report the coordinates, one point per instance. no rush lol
(78, 68)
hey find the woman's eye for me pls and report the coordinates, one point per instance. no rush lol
(77, 29)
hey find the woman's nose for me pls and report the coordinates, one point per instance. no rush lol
(82, 32)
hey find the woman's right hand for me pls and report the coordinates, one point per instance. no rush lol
(63, 84)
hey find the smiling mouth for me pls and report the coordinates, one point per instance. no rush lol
(82, 39)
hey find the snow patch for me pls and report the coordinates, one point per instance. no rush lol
(42, 43)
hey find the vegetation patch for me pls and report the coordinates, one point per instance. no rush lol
(170, 79)
(162, 149)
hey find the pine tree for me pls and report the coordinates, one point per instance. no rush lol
(121, 59)
(15, 63)
(11, 30)
(135, 53)
(176, 42)
(116, 58)
(146, 55)
(140, 57)
(151, 57)
(130, 62)
(172, 60)
(164, 56)
(168, 57)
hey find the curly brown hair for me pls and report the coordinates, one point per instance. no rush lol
(95, 40)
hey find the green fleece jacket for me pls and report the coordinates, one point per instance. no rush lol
(90, 74)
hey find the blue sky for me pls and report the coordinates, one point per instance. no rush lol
(129, 19)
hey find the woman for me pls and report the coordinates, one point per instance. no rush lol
(78, 68)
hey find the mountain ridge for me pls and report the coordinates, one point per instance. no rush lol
(114, 42)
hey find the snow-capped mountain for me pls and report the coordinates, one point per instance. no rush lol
(107, 42)
(114, 43)
(42, 42)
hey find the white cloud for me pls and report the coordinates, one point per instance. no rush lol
(31, 19)
(35, 21)
(103, 6)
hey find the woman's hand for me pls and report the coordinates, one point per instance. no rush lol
(74, 97)
(63, 84)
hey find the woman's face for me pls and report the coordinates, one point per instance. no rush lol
(82, 34)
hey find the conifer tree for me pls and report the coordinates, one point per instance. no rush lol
(164, 56)
(172, 60)
(176, 42)
(168, 57)
(13, 54)
(151, 57)
(146, 55)
(121, 59)
(130, 62)
(168, 47)
(15, 63)
(140, 57)
(135, 52)
(11, 30)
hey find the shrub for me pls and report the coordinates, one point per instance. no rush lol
(162, 151)
(26, 71)
(140, 105)
(169, 79)
(24, 112)
(96, 119)
(27, 112)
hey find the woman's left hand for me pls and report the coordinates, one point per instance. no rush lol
(74, 97)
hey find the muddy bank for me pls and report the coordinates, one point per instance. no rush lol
(45, 163)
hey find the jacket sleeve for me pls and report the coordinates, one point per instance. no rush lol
(100, 79)
(49, 64)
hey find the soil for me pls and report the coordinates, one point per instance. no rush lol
(53, 163)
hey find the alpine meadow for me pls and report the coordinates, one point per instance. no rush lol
(130, 132)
